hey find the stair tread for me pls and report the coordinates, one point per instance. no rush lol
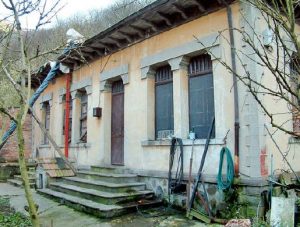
(15, 181)
(104, 183)
(110, 167)
(20, 177)
(81, 201)
(116, 175)
(19, 181)
(99, 193)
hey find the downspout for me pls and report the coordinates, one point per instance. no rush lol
(235, 90)
(67, 113)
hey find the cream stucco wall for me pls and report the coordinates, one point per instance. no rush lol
(139, 152)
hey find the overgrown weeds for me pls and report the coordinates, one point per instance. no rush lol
(9, 217)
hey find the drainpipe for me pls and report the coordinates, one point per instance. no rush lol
(235, 90)
(67, 113)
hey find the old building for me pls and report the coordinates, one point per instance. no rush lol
(150, 76)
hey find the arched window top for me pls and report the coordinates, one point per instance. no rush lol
(200, 65)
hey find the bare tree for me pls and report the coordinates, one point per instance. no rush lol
(270, 41)
(16, 58)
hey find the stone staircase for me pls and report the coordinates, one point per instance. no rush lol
(103, 191)
(18, 181)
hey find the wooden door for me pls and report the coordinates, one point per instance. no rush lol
(117, 123)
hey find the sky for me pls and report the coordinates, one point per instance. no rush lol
(70, 7)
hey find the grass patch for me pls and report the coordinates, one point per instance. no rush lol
(9, 217)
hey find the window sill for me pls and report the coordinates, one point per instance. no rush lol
(186, 142)
(294, 140)
(79, 145)
(44, 146)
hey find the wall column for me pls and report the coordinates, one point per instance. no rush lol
(148, 74)
(106, 125)
(179, 67)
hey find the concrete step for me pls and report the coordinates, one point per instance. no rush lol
(94, 208)
(19, 183)
(99, 196)
(110, 169)
(32, 174)
(19, 177)
(15, 182)
(108, 177)
(104, 186)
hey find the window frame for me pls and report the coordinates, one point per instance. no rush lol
(70, 120)
(159, 83)
(83, 118)
(200, 73)
(294, 72)
(47, 116)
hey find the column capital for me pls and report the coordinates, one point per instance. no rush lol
(180, 62)
(147, 72)
(105, 85)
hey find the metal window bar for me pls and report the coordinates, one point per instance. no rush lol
(83, 118)
(70, 121)
(200, 65)
(47, 120)
(164, 119)
(201, 93)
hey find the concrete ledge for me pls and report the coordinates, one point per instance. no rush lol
(184, 49)
(45, 146)
(80, 145)
(293, 140)
(208, 178)
(87, 82)
(186, 142)
(118, 71)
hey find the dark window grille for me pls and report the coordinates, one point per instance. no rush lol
(83, 117)
(201, 95)
(117, 86)
(46, 107)
(70, 121)
(200, 65)
(164, 119)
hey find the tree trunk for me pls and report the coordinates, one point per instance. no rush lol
(24, 173)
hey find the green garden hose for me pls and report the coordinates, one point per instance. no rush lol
(230, 170)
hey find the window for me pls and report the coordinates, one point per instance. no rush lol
(294, 70)
(70, 120)
(83, 117)
(201, 95)
(164, 119)
(46, 107)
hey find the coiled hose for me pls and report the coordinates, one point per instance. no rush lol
(223, 185)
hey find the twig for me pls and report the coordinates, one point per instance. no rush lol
(282, 154)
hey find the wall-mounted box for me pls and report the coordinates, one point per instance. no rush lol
(97, 112)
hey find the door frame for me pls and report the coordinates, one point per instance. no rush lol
(119, 92)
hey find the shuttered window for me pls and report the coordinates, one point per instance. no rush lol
(46, 107)
(83, 117)
(70, 121)
(164, 120)
(201, 95)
